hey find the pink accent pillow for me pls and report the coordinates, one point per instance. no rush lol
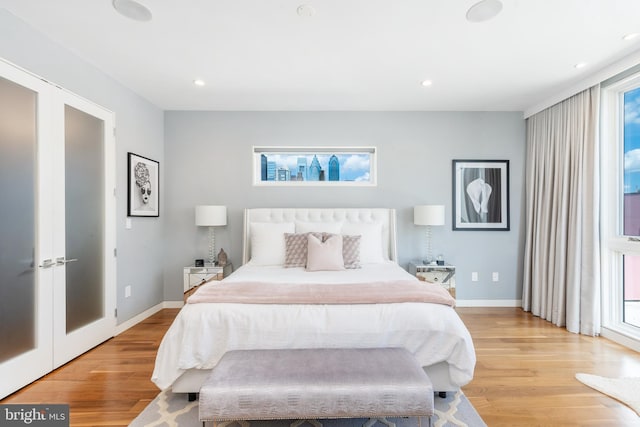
(324, 256)
(350, 250)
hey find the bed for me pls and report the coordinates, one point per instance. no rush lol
(203, 330)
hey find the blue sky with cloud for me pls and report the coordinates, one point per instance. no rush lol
(632, 141)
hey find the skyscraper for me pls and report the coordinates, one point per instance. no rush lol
(263, 167)
(314, 169)
(334, 168)
(302, 169)
(271, 171)
(283, 174)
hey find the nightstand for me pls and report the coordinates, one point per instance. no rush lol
(443, 275)
(196, 276)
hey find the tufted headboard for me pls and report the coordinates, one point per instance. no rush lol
(355, 215)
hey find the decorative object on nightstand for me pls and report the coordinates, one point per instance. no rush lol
(222, 258)
(443, 275)
(428, 215)
(211, 216)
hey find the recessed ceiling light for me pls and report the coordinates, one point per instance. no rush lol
(132, 10)
(305, 10)
(484, 10)
(427, 83)
(630, 36)
(580, 64)
(198, 82)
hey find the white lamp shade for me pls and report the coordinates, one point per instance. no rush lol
(211, 215)
(428, 215)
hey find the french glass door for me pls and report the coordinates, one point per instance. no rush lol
(84, 222)
(57, 282)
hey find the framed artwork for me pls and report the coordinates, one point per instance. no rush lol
(309, 166)
(481, 195)
(143, 186)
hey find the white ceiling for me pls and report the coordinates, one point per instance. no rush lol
(350, 55)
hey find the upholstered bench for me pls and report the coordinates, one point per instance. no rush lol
(311, 384)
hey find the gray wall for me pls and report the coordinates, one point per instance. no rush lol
(210, 162)
(139, 130)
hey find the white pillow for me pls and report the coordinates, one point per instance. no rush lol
(324, 256)
(267, 242)
(318, 227)
(370, 241)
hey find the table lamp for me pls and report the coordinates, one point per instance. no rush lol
(211, 216)
(428, 215)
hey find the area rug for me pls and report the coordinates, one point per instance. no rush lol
(173, 410)
(626, 390)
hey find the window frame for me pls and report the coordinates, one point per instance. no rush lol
(615, 245)
(371, 151)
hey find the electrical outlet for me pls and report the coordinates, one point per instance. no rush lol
(495, 276)
(474, 276)
(127, 291)
(127, 223)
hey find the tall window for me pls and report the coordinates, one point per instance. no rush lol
(631, 203)
(621, 207)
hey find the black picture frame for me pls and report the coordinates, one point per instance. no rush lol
(480, 195)
(143, 186)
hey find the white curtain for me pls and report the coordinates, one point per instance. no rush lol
(561, 280)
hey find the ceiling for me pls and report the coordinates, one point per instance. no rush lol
(349, 55)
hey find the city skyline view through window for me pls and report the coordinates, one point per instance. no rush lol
(325, 166)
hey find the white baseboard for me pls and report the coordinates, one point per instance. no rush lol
(145, 314)
(620, 339)
(489, 303)
(173, 304)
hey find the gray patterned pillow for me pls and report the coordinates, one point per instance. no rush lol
(350, 250)
(296, 249)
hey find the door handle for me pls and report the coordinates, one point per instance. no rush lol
(47, 263)
(62, 260)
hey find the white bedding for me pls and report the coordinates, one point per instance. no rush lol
(275, 274)
(202, 333)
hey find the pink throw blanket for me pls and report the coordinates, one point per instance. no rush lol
(317, 293)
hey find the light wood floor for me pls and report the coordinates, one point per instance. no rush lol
(524, 375)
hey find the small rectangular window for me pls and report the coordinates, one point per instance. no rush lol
(281, 166)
